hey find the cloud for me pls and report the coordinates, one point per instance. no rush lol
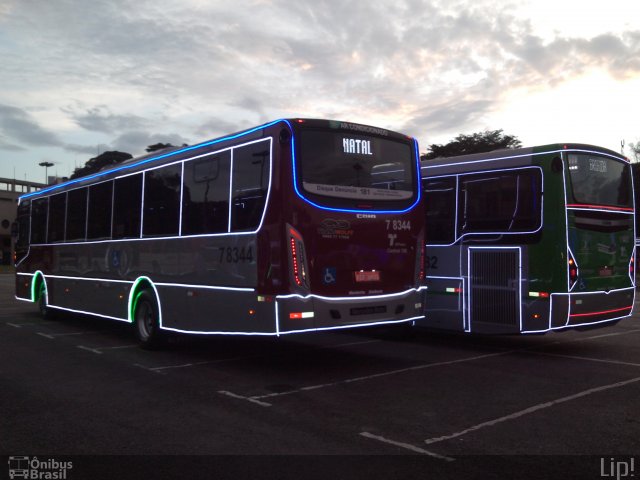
(18, 125)
(100, 119)
(136, 142)
(425, 66)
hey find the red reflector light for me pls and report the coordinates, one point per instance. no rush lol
(367, 276)
(544, 294)
(295, 315)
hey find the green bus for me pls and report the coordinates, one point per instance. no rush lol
(529, 240)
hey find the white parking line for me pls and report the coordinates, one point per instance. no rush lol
(54, 335)
(590, 359)
(259, 398)
(20, 325)
(99, 350)
(406, 446)
(249, 399)
(532, 409)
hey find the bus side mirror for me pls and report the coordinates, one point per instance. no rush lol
(556, 165)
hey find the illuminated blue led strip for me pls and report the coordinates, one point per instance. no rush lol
(153, 159)
(348, 210)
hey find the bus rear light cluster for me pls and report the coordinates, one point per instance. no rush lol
(573, 270)
(632, 267)
(539, 294)
(299, 270)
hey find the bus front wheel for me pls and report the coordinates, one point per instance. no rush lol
(147, 322)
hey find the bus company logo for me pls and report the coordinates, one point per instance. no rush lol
(34, 468)
(331, 228)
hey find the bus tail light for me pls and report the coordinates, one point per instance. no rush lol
(297, 258)
(573, 270)
(632, 267)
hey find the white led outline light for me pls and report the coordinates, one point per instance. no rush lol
(569, 296)
(235, 289)
(357, 298)
(174, 237)
(506, 169)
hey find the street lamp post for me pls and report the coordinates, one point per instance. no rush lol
(46, 166)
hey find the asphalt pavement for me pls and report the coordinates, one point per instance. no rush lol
(371, 403)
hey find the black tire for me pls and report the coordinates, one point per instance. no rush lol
(46, 311)
(147, 321)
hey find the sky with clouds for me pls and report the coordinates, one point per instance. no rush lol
(78, 78)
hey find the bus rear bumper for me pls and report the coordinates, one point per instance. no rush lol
(297, 313)
(585, 309)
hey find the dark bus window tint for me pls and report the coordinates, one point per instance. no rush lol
(162, 201)
(99, 222)
(24, 224)
(127, 204)
(76, 214)
(39, 211)
(500, 202)
(440, 203)
(600, 180)
(57, 213)
(205, 195)
(251, 166)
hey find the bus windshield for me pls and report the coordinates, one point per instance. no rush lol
(599, 180)
(346, 169)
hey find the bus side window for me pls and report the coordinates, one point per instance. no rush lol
(251, 166)
(24, 221)
(39, 211)
(127, 204)
(440, 202)
(205, 195)
(99, 214)
(57, 213)
(500, 202)
(162, 201)
(76, 215)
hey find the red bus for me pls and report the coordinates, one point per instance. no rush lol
(293, 226)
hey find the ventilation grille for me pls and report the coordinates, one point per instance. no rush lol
(494, 287)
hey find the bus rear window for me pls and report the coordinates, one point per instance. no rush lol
(352, 170)
(599, 180)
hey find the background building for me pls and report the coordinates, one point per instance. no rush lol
(10, 190)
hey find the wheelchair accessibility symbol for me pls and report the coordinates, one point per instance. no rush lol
(329, 276)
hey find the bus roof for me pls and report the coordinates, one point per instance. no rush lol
(513, 154)
(176, 154)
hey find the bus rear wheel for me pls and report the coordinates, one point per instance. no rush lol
(147, 321)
